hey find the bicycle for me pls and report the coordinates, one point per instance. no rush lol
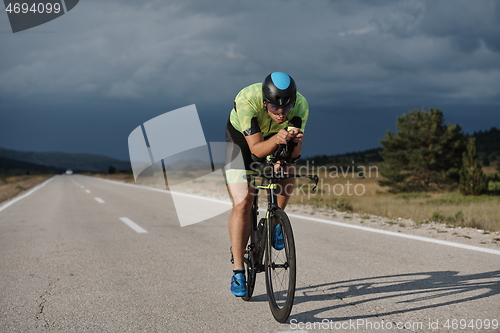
(279, 264)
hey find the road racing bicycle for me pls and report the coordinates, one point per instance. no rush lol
(279, 265)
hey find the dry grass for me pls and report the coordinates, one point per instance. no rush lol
(365, 196)
(12, 186)
(489, 170)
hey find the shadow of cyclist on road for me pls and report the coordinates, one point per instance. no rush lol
(409, 292)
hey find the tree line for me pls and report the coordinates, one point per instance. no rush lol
(426, 155)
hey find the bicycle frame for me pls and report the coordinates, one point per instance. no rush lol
(258, 241)
(261, 243)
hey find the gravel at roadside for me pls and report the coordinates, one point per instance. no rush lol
(469, 236)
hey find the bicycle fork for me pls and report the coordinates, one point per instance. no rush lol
(264, 227)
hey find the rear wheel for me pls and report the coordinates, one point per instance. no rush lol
(250, 273)
(280, 269)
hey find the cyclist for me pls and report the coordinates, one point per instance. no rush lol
(264, 116)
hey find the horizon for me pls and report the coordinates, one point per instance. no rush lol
(304, 158)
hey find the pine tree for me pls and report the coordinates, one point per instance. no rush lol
(486, 161)
(473, 181)
(423, 155)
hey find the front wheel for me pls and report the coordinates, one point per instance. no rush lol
(280, 268)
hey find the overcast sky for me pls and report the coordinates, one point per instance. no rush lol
(84, 81)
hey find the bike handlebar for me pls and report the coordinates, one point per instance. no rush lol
(284, 152)
(278, 152)
(266, 170)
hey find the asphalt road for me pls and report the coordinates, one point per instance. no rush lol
(69, 262)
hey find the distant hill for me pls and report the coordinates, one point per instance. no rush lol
(361, 157)
(487, 143)
(17, 162)
(11, 159)
(10, 167)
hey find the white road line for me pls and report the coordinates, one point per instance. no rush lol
(398, 234)
(88, 191)
(161, 190)
(99, 200)
(26, 194)
(133, 225)
(339, 224)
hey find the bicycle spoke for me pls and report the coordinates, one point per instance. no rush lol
(280, 271)
(280, 274)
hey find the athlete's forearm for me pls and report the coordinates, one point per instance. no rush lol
(297, 151)
(261, 148)
(264, 148)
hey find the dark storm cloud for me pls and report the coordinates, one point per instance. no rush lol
(362, 49)
(343, 54)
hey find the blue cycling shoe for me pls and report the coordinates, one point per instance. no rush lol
(239, 283)
(278, 242)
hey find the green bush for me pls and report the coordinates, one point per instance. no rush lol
(438, 217)
(494, 187)
(473, 181)
(459, 216)
(343, 205)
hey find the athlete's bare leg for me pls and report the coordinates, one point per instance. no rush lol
(239, 220)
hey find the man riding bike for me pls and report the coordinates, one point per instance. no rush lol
(264, 116)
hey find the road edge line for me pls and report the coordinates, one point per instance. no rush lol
(398, 234)
(13, 201)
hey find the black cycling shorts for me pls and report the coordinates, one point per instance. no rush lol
(237, 143)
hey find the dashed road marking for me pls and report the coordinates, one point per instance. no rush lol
(99, 200)
(133, 225)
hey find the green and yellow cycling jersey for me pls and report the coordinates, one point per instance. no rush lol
(249, 104)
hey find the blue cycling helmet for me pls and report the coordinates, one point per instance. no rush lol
(279, 89)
